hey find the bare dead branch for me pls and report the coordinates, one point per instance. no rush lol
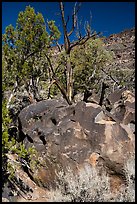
(88, 30)
(33, 53)
(67, 21)
(51, 67)
(110, 76)
(61, 88)
(74, 18)
(88, 37)
(55, 80)
(63, 91)
(85, 26)
(56, 69)
(90, 20)
(59, 46)
(49, 87)
(63, 17)
(66, 39)
(79, 35)
(83, 40)
(93, 74)
(77, 42)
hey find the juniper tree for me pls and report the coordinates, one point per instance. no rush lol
(22, 48)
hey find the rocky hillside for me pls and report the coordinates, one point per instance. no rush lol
(123, 46)
(84, 136)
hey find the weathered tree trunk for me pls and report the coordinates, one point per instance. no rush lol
(63, 92)
(68, 46)
(69, 78)
(67, 50)
(57, 82)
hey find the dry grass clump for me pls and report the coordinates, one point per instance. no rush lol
(127, 193)
(89, 186)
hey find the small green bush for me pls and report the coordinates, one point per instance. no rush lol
(11, 146)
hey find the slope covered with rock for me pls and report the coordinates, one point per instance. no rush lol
(84, 135)
(123, 66)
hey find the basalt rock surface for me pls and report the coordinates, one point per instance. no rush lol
(69, 136)
(72, 137)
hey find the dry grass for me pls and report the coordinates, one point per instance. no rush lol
(89, 186)
(127, 194)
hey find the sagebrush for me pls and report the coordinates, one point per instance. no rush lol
(89, 186)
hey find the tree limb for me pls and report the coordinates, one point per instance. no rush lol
(63, 91)
(59, 47)
(74, 18)
(67, 21)
(110, 76)
(66, 39)
(57, 82)
(83, 40)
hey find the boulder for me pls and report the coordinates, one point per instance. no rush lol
(124, 107)
(70, 136)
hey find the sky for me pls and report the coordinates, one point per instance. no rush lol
(107, 17)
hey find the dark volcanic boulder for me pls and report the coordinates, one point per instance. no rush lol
(124, 107)
(70, 136)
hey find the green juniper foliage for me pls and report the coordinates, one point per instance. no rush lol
(88, 60)
(10, 145)
(23, 46)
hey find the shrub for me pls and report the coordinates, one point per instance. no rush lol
(127, 193)
(89, 186)
(11, 146)
(86, 186)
